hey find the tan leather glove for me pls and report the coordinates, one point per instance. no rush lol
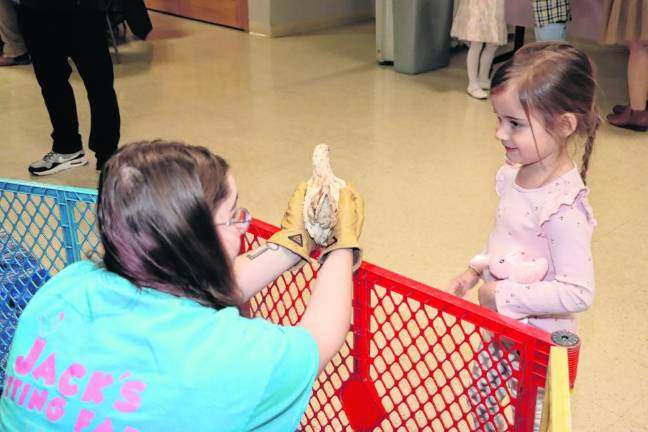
(293, 235)
(350, 218)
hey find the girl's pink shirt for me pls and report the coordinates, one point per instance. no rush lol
(555, 222)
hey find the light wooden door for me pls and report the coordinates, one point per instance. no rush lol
(233, 13)
(170, 6)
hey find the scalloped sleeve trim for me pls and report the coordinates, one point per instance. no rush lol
(568, 198)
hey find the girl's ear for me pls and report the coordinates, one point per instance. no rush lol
(567, 125)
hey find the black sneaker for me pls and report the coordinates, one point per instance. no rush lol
(55, 162)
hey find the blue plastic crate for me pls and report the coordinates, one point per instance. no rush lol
(42, 229)
(20, 277)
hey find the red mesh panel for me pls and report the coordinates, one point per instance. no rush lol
(414, 359)
(414, 356)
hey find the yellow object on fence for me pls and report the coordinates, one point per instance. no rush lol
(556, 413)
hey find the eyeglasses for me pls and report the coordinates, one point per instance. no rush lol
(241, 216)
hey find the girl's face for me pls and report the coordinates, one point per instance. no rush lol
(514, 131)
(229, 232)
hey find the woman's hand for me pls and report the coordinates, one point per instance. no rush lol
(346, 234)
(486, 295)
(293, 235)
(464, 282)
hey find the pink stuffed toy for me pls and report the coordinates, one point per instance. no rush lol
(512, 266)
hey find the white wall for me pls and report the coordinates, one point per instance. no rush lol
(259, 15)
(284, 17)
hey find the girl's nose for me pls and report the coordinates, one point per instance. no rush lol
(501, 133)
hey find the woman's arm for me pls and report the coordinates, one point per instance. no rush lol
(254, 270)
(328, 315)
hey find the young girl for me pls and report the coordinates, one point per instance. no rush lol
(482, 23)
(544, 100)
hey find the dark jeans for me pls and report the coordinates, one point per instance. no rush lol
(54, 36)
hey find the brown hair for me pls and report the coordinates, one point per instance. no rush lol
(554, 78)
(155, 214)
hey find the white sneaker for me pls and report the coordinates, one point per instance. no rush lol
(485, 85)
(477, 92)
(55, 162)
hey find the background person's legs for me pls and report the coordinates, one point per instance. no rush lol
(493, 383)
(485, 63)
(492, 375)
(14, 50)
(635, 115)
(46, 37)
(638, 75)
(472, 67)
(89, 50)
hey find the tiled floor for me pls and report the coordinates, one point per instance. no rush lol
(421, 151)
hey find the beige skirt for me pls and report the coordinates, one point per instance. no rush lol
(480, 21)
(628, 21)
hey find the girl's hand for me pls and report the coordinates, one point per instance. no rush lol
(462, 283)
(486, 295)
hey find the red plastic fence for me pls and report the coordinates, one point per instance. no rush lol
(410, 360)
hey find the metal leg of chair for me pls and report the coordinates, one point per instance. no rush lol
(114, 41)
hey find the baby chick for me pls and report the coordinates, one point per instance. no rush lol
(322, 196)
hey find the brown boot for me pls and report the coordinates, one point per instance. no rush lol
(618, 109)
(630, 119)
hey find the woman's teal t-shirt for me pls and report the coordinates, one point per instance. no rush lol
(93, 353)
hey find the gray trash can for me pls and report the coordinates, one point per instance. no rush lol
(422, 34)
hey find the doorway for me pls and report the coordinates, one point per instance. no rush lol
(231, 13)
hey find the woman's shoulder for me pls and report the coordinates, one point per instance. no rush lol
(80, 289)
(263, 331)
(79, 269)
(83, 272)
(252, 345)
(67, 281)
(271, 343)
